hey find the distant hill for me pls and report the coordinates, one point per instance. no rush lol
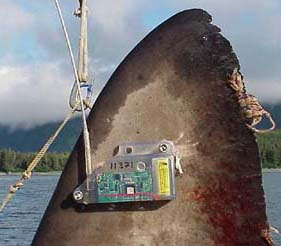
(275, 111)
(31, 140)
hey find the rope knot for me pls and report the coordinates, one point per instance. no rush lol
(26, 175)
(251, 109)
(77, 12)
(15, 187)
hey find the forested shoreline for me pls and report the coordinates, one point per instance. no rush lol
(15, 161)
(270, 149)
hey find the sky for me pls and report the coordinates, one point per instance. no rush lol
(35, 70)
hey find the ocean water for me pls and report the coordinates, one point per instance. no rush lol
(272, 188)
(19, 221)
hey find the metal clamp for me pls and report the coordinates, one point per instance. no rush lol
(74, 98)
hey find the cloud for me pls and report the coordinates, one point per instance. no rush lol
(34, 59)
(32, 93)
(271, 86)
(14, 21)
(38, 93)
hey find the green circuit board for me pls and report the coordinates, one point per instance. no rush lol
(124, 187)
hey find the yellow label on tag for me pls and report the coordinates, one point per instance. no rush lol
(163, 176)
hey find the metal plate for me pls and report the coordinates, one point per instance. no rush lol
(137, 172)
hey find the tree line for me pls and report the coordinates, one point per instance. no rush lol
(270, 149)
(14, 161)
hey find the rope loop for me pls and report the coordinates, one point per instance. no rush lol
(74, 96)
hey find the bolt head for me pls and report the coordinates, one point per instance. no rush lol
(163, 147)
(78, 195)
(141, 166)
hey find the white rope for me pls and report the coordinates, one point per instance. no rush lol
(268, 115)
(178, 165)
(83, 49)
(85, 128)
(82, 68)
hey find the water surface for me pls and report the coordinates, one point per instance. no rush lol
(19, 221)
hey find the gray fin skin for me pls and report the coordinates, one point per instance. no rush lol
(173, 85)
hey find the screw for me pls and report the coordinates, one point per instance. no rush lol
(141, 166)
(163, 147)
(129, 150)
(78, 195)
